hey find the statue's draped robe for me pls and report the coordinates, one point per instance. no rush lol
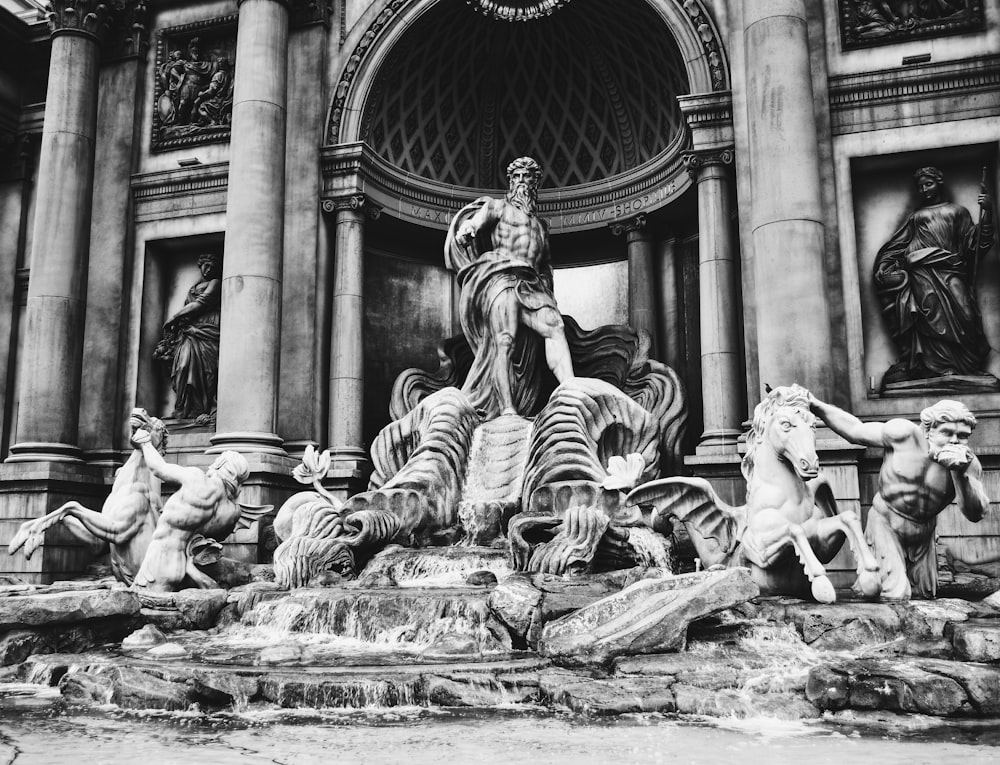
(195, 371)
(924, 276)
(484, 275)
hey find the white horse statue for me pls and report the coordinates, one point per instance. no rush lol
(790, 508)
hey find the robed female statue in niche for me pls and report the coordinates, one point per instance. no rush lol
(925, 277)
(190, 345)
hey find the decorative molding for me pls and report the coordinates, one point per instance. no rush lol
(128, 36)
(308, 12)
(709, 116)
(513, 10)
(347, 168)
(709, 36)
(177, 123)
(865, 24)
(696, 161)
(871, 99)
(168, 185)
(91, 18)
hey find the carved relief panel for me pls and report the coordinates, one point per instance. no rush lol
(193, 92)
(867, 23)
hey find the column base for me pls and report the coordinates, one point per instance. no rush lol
(44, 451)
(246, 441)
(720, 441)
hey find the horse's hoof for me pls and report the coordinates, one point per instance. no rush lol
(822, 590)
(868, 585)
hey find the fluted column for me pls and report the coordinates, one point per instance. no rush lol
(792, 313)
(48, 412)
(251, 278)
(347, 348)
(641, 281)
(718, 282)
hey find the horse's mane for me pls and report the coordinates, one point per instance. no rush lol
(794, 396)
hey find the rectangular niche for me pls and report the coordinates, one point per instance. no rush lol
(884, 196)
(171, 270)
(193, 84)
(865, 24)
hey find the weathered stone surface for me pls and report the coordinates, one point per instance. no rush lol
(837, 626)
(143, 638)
(86, 688)
(928, 686)
(477, 690)
(515, 603)
(18, 645)
(928, 618)
(650, 616)
(135, 689)
(65, 607)
(290, 653)
(453, 643)
(168, 651)
(977, 640)
(606, 696)
(186, 609)
(992, 600)
(221, 688)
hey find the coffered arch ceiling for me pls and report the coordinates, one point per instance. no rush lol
(589, 92)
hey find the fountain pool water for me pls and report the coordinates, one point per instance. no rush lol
(31, 732)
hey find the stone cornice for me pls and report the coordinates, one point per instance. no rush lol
(709, 117)
(354, 168)
(869, 99)
(180, 183)
(91, 18)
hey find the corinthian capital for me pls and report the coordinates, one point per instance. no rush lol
(85, 17)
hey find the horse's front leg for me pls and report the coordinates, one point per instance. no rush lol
(829, 532)
(32, 533)
(769, 534)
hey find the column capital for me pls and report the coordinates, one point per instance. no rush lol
(89, 18)
(359, 203)
(285, 3)
(632, 227)
(127, 36)
(696, 161)
(307, 12)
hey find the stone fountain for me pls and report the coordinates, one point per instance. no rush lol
(520, 542)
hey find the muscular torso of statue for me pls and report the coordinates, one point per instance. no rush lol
(519, 236)
(911, 483)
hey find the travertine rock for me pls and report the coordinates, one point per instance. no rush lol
(65, 607)
(515, 603)
(186, 609)
(650, 616)
(144, 638)
(977, 640)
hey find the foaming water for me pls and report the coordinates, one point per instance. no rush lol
(648, 546)
(422, 737)
(444, 567)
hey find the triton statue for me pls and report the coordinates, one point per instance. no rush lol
(925, 468)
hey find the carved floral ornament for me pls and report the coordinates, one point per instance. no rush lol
(512, 10)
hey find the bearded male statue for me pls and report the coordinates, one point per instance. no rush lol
(499, 249)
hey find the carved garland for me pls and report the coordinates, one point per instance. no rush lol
(699, 19)
(511, 10)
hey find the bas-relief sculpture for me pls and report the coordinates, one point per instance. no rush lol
(925, 278)
(924, 469)
(194, 84)
(514, 434)
(790, 525)
(190, 345)
(864, 23)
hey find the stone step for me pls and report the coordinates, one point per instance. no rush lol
(976, 640)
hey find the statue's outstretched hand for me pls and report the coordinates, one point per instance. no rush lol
(140, 437)
(466, 234)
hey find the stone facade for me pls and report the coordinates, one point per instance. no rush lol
(722, 175)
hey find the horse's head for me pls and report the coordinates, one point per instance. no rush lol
(783, 422)
(140, 418)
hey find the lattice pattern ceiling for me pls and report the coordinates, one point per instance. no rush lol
(587, 92)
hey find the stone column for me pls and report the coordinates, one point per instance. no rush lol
(347, 348)
(718, 282)
(641, 281)
(48, 413)
(251, 272)
(671, 313)
(792, 314)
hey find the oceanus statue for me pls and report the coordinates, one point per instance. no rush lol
(790, 525)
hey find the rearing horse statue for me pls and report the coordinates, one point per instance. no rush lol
(790, 512)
